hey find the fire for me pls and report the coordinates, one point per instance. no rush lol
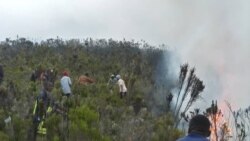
(220, 130)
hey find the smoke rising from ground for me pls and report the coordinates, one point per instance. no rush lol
(218, 46)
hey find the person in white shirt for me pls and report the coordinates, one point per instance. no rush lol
(66, 84)
(122, 86)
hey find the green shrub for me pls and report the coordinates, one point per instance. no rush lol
(4, 137)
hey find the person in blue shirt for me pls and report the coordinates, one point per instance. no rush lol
(199, 129)
(66, 84)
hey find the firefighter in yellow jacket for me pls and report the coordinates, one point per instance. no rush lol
(43, 106)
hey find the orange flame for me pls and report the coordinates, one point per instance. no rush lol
(220, 129)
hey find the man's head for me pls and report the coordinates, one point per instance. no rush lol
(112, 76)
(200, 124)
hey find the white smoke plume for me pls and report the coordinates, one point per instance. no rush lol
(215, 39)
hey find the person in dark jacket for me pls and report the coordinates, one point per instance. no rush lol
(43, 106)
(1, 74)
(199, 129)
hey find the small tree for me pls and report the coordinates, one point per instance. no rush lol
(191, 92)
(241, 120)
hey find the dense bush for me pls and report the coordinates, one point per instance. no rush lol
(95, 114)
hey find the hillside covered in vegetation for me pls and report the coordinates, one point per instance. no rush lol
(95, 113)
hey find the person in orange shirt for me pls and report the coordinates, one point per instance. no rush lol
(85, 79)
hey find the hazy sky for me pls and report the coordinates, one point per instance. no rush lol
(212, 35)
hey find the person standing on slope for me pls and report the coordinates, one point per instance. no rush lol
(1, 73)
(66, 84)
(122, 86)
(112, 81)
(85, 79)
(43, 106)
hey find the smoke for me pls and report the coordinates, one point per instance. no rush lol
(165, 80)
(213, 36)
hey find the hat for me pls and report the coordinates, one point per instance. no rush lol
(118, 76)
(65, 73)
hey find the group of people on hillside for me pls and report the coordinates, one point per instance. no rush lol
(199, 125)
(45, 103)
